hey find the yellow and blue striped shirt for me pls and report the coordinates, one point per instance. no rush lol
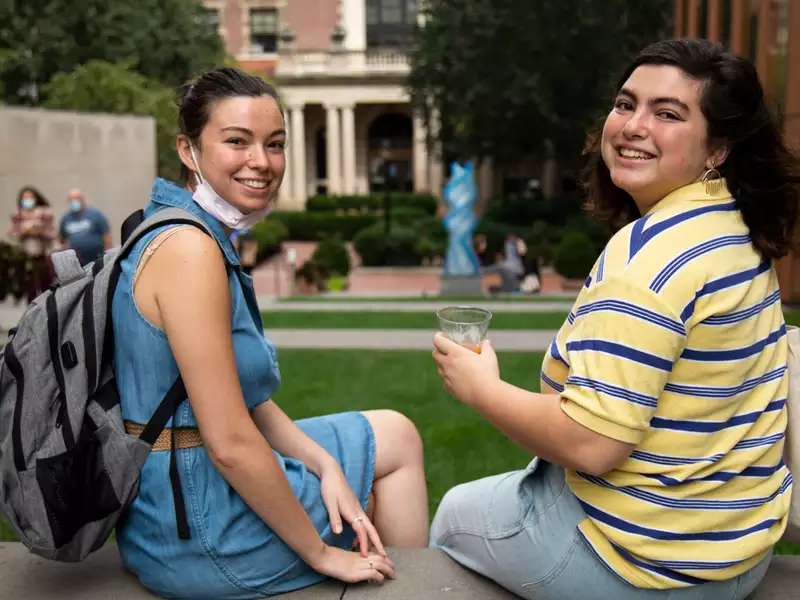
(676, 344)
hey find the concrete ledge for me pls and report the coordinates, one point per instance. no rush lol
(422, 574)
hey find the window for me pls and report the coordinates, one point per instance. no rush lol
(263, 29)
(390, 22)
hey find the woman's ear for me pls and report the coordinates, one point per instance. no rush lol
(183, 146)
(717, 157)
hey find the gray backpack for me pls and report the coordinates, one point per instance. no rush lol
(68, 469)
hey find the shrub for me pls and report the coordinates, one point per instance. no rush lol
(311, 226)
(407, 215)
(269, 234)
(313, 274)
(432, 237)
(331, 254)
(376, 248)
(424, 203)
(522, 212)
(574, 255)
(14, 271)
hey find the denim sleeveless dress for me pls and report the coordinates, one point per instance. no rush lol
(231, 553)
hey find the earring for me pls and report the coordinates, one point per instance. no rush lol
(712, 181)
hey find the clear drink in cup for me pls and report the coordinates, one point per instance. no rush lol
(465, 325)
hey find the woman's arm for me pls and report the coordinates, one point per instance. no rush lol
(340, 501)
(186, 283)
(288, 439)
(533, 421)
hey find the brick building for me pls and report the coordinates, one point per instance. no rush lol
(768, 33)
(340, 67)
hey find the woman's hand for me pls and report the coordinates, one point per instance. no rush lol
(463, 371)
(342, 504)
(351, 567)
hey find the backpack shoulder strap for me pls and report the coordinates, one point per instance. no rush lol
(167, 216)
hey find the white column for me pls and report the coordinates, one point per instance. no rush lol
(298, 146)
(420, 156)
(333, 150)
(285, 192)
(348, 150)
(354, 21)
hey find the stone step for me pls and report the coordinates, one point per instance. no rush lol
(422, 574)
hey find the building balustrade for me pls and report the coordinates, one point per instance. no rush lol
(341, 63)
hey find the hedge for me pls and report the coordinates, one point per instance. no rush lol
(371, 203)
(313, 226)
(269, 234)
(331, 254)
(575, 255)
(398, 248)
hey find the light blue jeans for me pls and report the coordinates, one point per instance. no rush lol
(520, 529)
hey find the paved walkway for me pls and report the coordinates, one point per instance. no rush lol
(400, 339)
(368, 339)
(269, 304)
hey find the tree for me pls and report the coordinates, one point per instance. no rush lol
(166, 40)
(505, 76)
(99, 86)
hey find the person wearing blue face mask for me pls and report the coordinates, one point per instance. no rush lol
(84, 228)
(32, 226)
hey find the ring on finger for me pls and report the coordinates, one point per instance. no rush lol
(358, 518)
(371, 564)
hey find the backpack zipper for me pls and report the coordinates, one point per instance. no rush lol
(16, 428)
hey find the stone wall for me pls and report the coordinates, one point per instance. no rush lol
(112, 158)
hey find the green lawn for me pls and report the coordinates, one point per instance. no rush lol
(459, 445)
(399, 320)
(278, 319)
(792, 316)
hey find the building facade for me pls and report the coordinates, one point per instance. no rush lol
(768, 33)
(340, 68)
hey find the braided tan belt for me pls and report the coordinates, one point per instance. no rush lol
(185, 437)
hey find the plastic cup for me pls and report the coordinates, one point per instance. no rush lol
(465, 325)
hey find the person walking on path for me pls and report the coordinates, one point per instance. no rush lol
(660, 425)
(271, 505)
(84, 228)
(32, 226)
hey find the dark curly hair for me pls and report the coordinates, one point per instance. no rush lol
(196, 98)
(761, 173)
(40, 199)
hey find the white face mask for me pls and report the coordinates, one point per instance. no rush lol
(219, 208)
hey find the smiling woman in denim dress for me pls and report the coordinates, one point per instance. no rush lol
(271, 505)
(660, 427)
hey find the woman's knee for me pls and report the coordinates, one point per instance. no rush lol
(396, 433)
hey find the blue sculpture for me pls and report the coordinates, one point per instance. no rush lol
(460, 194)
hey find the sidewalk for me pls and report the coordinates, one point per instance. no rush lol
(351, 339)
(269, 304)
(400, 339)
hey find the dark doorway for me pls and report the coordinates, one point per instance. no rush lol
(390, 154)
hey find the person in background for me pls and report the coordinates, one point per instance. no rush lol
(481, 244)
(32, 226)
(84, 228)
(660, 427)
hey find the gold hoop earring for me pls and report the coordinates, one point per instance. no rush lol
(712, 181)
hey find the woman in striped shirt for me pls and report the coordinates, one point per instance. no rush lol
(660, 427)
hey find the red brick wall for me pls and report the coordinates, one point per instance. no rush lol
(312, 22)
